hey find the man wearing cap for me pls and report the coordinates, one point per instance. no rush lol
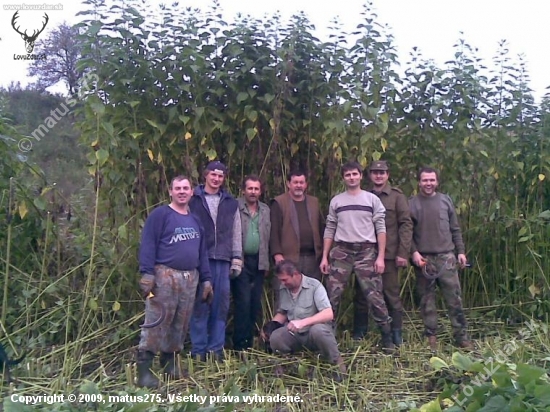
(398, 244)
(219, 214)
(356, 225)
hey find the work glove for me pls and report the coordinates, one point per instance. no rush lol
(207, 292)
(146, 284)
(236, 268)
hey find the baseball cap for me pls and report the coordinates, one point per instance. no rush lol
(379, 165)
(217, 166)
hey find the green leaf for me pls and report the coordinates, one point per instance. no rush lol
(252, 115)
(122, 232)
(92, 304)
(528, 373)
(438, 363)
(98, 108)
(432, 406)
(462, 362)
(241, 97)
(108, 128)
(495, 404)
(10, 406)
(211, 154)
(484, 153)
(89, 388)
(40, 203)
(250, 133)
(102, 155)
(184, 119)
(542, 393)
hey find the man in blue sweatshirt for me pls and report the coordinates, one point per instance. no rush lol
(219, 214)
(173, 259)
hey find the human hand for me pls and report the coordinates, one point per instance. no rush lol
(379, 265)
(207, 292)
(146, 284)
(418, 260)
(324, 266)
(278, 258)
(462, 261)
(400, 262)
(236, 268)
(294, 326)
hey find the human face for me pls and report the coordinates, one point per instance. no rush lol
(297, 187)
(379, 177)
(352, 178)
(428, 183)
(291, 282)
(181, 192)
(213, 181)
(252, 192)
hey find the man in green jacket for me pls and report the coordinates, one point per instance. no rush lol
(247, 288)
(398, 245)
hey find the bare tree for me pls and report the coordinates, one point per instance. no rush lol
(62, 51)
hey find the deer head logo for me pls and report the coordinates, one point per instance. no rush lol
(29, 40)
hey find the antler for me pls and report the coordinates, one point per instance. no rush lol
(25, 35)
(15, 16)
(35, 35)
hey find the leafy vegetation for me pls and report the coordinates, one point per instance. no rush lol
(165, 96)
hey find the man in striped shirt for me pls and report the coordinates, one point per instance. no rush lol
(355, 240)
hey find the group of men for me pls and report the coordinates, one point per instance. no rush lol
(206, 244)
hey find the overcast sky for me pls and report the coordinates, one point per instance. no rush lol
(433, 26)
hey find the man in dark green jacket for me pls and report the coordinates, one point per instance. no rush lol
(398, 244)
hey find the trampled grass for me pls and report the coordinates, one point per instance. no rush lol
(103, 363)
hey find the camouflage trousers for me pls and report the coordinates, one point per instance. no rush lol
(176, 291)
(344, 261)
(442, 265)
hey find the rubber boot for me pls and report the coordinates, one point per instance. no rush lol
(397, 326)
(360, 315)
(397, 337)
(146, 378)
(360, 323)
(169, 361)
(342, 370)
(387, 341)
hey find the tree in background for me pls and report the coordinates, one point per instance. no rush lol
(62, 51)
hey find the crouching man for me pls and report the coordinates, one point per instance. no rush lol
(306, 315)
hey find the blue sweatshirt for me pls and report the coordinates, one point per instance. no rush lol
(174, 240)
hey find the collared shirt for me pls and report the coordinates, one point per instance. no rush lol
(252, 235)
(311, 299)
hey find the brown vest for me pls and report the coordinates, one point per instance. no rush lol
(290, 241)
